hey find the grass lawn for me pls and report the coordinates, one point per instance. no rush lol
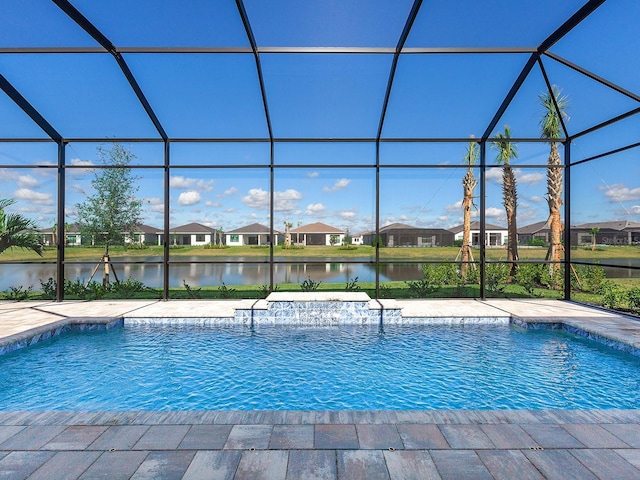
(318, 252)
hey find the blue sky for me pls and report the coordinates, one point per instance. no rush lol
(319, 96)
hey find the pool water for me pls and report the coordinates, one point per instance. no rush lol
(346, 368)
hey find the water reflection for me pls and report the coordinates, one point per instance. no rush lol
(200, 275)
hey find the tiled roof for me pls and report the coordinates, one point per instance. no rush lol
(253, 228)
(613, 225)
(192, 228)
(533, 228)
(317, 227)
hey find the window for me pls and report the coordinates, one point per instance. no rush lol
(235, 238)
(200, 237)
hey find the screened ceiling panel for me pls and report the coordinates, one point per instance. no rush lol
(446, 96)
(167, 23)
(617, 135)
(590, 102)
(329, 23)
(322, 95)
(607, 43)
(202, 95)
(80, 95)
(14, 123)
(490, 23)
(525, 110)
(39, 23)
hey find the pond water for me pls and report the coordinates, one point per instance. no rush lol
(199, 275)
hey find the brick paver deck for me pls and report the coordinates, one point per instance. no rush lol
(515, 444)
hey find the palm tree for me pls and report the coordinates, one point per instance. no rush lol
(594, 231)
(17, 231)
(287, 233)
(469, 183)
(507, 151)
(555, 106)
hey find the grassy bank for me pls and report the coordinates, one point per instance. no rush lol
(317, 252)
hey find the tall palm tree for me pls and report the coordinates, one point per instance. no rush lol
(469, 183)
(17, 231)
(287, 233)
(506, 151)
(551, 125)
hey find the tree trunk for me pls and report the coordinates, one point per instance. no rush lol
(468, 184)
(554, 198)
(510, 206)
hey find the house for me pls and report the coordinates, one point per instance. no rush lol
(403, 235)
(254, 234)
(317, 234)
(143, 234)
(617, 232)
(495, 236)
(72, 235)
(536, 232)
(191, 234)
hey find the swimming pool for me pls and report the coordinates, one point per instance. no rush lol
(339, 368)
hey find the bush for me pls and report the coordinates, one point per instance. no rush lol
(592, 277)
(309, 285)
(226, 292)
(127, 288)
(613, 296)
(352, 285)
(528, 276)
(18, 293)
(496, 276)
(536, 242)
(633, 298)
(49, 289)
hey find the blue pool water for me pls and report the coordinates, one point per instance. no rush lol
(418, 367)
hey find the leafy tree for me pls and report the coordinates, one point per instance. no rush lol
(17, 231)
(469, 183)
(333, 239)
(554, 105)
(347, 239)
(507, 151)
(113, 210)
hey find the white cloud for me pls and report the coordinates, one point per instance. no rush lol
(454, 207)
(494, 174)
(27, 181)
(209, 203)
(33, 197)
(315, 208)
(76, 162)
(230, 191)
(187, 183)
(621, 193)
(156, 204)
(313, 174)
(347, 214)
(530, 177)
(339, 185)
(283, 201)
(635, 209)
(188, 198)
(494, 212)
(537, 199)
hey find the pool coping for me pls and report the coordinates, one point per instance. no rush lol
(613, 329)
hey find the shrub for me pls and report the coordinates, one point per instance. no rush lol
(191, 292)
(18, 293)
(352, 285)
(309, 285)
(633, 298)
(127, 288)
(528, 276)
(592, 277)
(49, 289)
(226, 292)
(496, 276)
(613, 296)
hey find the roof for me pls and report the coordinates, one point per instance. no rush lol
(317, 227)
(146, 229)
(253, 228)
(533, 228)
(617, 225)
(476, 226)
(192, 228)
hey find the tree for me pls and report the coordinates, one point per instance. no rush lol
(333, 239)
(17, 231)
(507, 151)
(287, 233)
(594, 231)
(469, 183)
(113, 210)
(555, 106)
(348, 238)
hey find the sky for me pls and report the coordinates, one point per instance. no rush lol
(319, 96)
